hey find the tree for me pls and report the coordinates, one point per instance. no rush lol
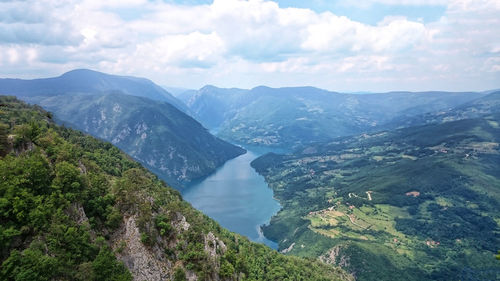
(106, 267)
(179, 274)
(4, 144)
(27, 133)
(226, 270)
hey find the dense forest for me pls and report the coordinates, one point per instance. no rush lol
(76, 208)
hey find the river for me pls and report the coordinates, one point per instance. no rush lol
(236, 197)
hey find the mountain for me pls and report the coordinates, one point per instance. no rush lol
(155, 132)
(76, 208)
(88, 82)
(419, 203)
(476, 108)
(290, 117)
(158, 135)
(212, 106)
(176, 91)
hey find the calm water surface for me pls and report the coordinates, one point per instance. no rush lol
(236, 197)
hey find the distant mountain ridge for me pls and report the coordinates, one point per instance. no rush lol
(292, 116)
(88, 82)
(134, 114)
(487, 104)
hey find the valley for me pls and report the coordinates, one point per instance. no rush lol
(73, 207)
(416, 196)
(236, 197)
(386, 186)
(250, 140)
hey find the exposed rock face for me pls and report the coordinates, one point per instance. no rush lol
(181, 223)
(150, 263)
(78, 213)
(144, 264)
(213, 245)
(288, 249)
(335, 257)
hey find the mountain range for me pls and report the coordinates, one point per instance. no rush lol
(290, 117)
(387, 186)
(85, 81)
(134, 114)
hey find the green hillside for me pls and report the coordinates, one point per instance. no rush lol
(158, 135)
(76, 208)
(420, 203)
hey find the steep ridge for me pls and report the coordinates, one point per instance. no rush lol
(419, 203)
(162, 138)
(122, 110)
(76, 208)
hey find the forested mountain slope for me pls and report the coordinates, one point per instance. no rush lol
(290, 117)
(76, 208)
(134, 114)
(165, 140)
(420, 203)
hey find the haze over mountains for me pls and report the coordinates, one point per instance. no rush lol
(86, 81)
(488, 104)
(141, 118)
(134, 114)
(288, 117)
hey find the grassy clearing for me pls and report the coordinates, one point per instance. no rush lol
(354, 223)
(444, 202)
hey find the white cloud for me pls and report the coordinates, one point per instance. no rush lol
(192, 50)
(339, 33)
(12, 55)
(245, 43)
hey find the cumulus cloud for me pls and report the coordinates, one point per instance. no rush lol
(185, 50)
(409, 2)
(333, 33)
(244, 43)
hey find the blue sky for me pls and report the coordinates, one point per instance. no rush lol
(363, 45)
(363, 11)
(370, 13)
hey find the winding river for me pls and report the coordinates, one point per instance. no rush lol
(236, 197)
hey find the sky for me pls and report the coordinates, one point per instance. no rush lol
(346, 46)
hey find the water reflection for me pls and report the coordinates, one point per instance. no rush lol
(236, 197)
